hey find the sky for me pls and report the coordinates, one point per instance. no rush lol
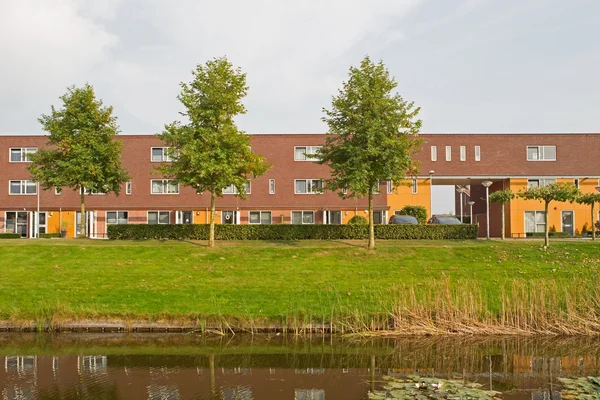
(473, 66)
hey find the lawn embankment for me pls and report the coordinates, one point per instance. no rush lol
(408, 287)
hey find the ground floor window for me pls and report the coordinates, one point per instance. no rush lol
(158, 217)
(303, 217)
(16, 222)
(379, 217)
(229, 217)
(534, 221)
(184, 217)
(333, 217)
(259, 217)
(117, 217)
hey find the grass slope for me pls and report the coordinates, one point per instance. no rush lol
(281, 282)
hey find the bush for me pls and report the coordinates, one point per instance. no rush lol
(290, 232)
(358, 220)
(10, 236)
(419, 212)
(49, 235)
(550, 234)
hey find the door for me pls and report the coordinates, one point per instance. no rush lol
(567, 222)
(42, 222)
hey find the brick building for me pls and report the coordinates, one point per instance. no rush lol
(288, 192)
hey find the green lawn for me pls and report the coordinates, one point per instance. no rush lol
(80, 279)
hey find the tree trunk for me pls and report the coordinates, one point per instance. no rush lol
(503, 229)
(371, 245)
(593, 224)
(211, 233)
(546, 221)
(82, 222)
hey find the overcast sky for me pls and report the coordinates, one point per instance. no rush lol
(472, 65)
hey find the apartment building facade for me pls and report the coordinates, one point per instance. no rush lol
(290, 191)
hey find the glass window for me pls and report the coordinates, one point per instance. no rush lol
(116, 217)
(301, 186)
(296, 217)
(415, 188)
(541, 153)
(22, 187)
(158, 217)
(448, 153)
(271, 186)
(259, 217)
(533, 153)
(22, 154)
(265, 217)
(433, 153)
(231, 189)
(390, 187)
(157, 154)
(534, 221)
(128, 187)
(164, 186)
(303, 217)
(463, 153)
(477, 153)
(301, 153)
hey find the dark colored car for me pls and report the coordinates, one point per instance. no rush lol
(403, 220)
(444, 220)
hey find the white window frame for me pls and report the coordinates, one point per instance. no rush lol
(89, 192)
(390, 187)
(117, 217)
(434, 153)
(271, 186)
(463, 153)
(541, 151)
(309, 186)
(57, 191)
(158, 212)
(541, 182)
(260, 213)
(165, 185)
(232, 189)
(23, 183)
(308, 150)
(448, 153)
(128, 187)
(164, 156)
(302, 217)
(24, 152)
(477, 153)
(534, 218)
(415, 186)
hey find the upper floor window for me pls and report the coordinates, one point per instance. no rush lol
(89, 191)
(231, 189)
(541, 153)
(128, 187)
(302, 153)
(415, 187)
(271, 186)
(448, 153)
(433, 153)
(533, 183)
(390, 187)
(164, 186)
(160, 154)
(22, 154)
(308, 186)
(22, 187)
(463, 153)
(477, 153)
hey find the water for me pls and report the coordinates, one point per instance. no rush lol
(178, 366)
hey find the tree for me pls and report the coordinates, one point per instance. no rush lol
(553, 192)
(590, 199)
(83, 153)
(372, 136)
(502, 197)
(419, 212)
(209, 153)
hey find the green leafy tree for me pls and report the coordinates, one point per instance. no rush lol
(503, 197)
(590, 199)
(209, 153)
(419, 212)
(554, 192)
(82, 152)
(372, 136)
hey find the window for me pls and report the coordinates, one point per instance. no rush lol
(448, 153)
(57, 191)
(433, 153)
(302, 153)
(271, 186)
(22, 187)
(463, 153)
(88, 192)
(533, 183)
(22, 154)
(259, 217)
(390, 187)
(116, 217)
(477, 153)
(308, 186)
(303, 217)
(231, 189)
(376, 188)
(128, 187)
(534, 221)
(415, 188)
(160, 154)
(158, 217)
(164, 186)
(541, 153)
(576, 182)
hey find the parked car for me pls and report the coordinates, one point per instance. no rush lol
(403, 220)
(444, 220)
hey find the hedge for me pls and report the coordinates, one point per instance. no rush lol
(550, 234)
(10, 236)
(290, 232)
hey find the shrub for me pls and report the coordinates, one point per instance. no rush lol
(550, 234)
(49, 235)
(419, 212)
(290, 232)
(358, 220)
(10, 236)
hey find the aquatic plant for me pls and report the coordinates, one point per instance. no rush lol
(584, 388)
(421, 388)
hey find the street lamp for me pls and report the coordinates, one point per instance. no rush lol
(461, 190)
(487, 185)
(431, 193)
(470, 203)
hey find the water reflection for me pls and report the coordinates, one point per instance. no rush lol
(165, 367)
